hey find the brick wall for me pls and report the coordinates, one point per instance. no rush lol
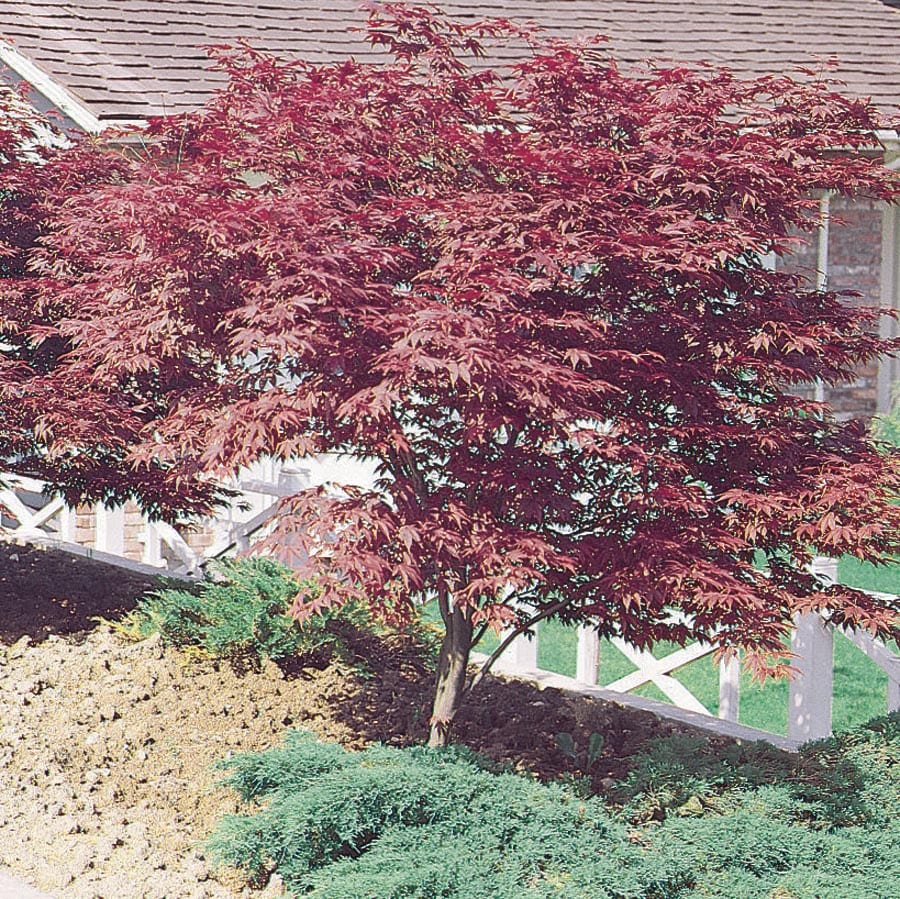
(85, 526)
(134, 532)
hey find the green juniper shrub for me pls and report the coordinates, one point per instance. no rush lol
(443, 823)
(547, 856)
(241, 614)
(851, 778)
(746, 854)
(687, 774)
(420, 822)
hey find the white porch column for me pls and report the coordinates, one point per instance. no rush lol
(110, 525)
(889, 369)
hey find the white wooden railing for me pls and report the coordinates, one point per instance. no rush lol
(28, 515)
(810, 692)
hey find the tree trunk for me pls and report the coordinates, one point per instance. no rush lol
(451, 673)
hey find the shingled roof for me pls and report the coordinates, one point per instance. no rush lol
(127, 59)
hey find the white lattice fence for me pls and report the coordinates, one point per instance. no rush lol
(109, 534)
(122, 536)
(810, 693)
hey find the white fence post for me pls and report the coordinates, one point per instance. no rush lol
(893, 695)
(809, 712)
(152, 554)
(522, 651)
(67, 524)
(587, 661)
(730, 688)
(826, 568)
(110, 534)
(241, 539)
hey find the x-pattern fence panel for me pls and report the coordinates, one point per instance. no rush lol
(27, 514)
(810, 694)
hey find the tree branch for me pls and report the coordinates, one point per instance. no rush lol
(483, 629)
(486, 667)
(479, 634)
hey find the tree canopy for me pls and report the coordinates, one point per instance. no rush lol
(535, 296)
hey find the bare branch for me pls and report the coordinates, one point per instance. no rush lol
(535, 619)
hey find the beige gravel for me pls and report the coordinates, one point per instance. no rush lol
(107, 789)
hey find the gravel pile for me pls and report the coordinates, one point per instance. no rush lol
(107, 785)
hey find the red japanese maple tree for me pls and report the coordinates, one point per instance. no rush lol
(536, 297)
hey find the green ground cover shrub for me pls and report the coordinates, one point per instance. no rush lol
(419, 822)
(240, 614)
(737, 822)
(849, 780)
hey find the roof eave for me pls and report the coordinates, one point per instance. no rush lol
(54, 92)
(68, 104)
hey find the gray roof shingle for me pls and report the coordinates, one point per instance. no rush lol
(126, 59)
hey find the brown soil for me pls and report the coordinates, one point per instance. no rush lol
(107, 747)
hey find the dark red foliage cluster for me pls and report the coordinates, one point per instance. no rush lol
(535, 296)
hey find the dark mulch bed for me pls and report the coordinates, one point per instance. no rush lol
(45, 592)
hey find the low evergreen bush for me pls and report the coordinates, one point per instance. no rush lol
(415, 822)
(241, 614)
(392, 823)
(852, 778)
